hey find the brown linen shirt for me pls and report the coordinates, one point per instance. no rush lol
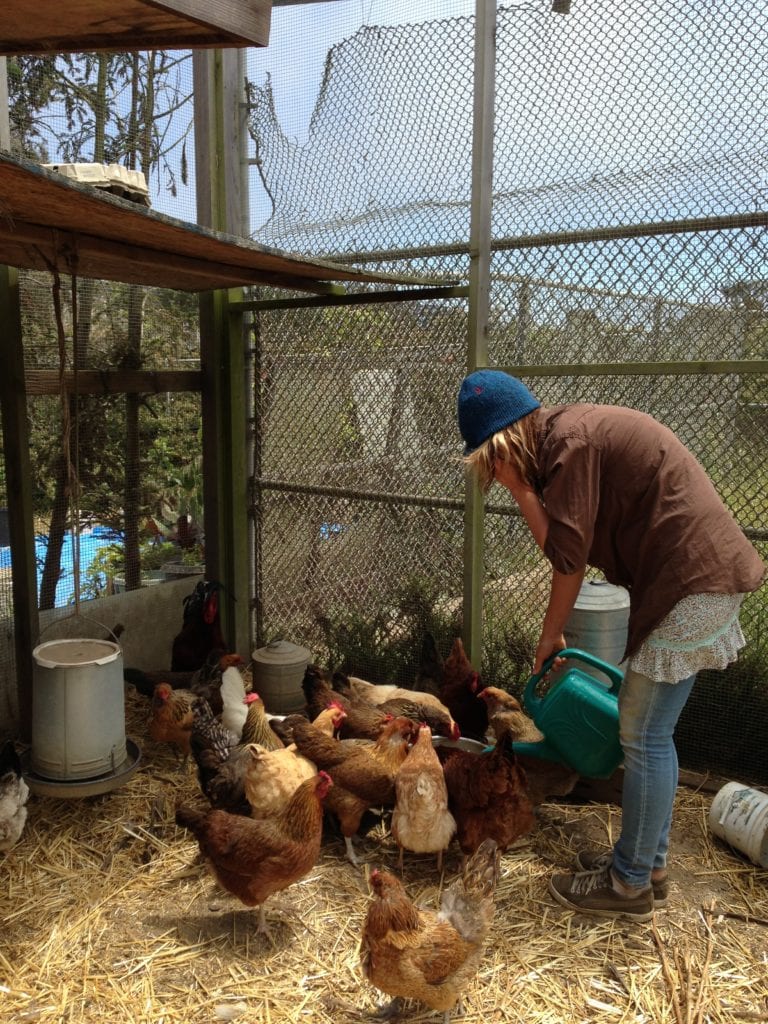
(624, 495)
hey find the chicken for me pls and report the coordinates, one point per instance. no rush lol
(206, 681)
(458, 691)
(171, 717)
(251, 858)
(234, 709)
(200, 631)
(146, 681)
(14, 793)
(414, 953)
(398, 701)
(273, 776)
(505, 714)
(421, 821)
(544, 778)
(225, 781)
(363, 718)
(363, 771)
(366, 771)
(488, 796)
(256, 728)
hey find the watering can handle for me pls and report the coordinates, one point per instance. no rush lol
(531, 700)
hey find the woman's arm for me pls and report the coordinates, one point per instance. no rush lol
(563, 593)
(564, 589)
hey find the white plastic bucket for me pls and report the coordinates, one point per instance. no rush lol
(78, 709)
(739, 815)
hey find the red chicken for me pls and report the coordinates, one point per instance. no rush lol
(254, 857)
(458, 691)
(171, 717)
(363, 771)
(488, 796)
(412, 953)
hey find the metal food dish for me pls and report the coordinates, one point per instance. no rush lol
(67, 788)
(473, 746)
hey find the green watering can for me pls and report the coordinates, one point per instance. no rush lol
(578, 715)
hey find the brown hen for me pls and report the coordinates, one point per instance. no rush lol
(412, 953)
(254, 857)
(488, 796)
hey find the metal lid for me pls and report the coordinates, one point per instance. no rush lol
(55, 653)
(600, 595)
(281, 652)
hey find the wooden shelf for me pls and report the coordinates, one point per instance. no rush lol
(67, 26)
(48, 221)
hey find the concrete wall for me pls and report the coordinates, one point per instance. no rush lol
(151, 618)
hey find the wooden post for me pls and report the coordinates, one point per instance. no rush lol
(218, 82)
(479, 299)
(18, 478)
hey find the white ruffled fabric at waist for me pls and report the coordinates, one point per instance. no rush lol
(701, 632)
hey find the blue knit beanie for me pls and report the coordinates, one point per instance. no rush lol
(490, 400)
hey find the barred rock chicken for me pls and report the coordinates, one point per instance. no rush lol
(488, 796)
(458, 691)
(254, 857)
(363, 719)
(421, 821)
(412, 953)
(14, 793)
(171, 718)
(200, 631)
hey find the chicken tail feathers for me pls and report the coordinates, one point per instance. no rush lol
(189, 817)
(468, 903)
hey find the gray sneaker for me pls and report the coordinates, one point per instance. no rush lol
(594, 860)
(592, 892)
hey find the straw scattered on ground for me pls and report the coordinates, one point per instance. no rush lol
(109, 917)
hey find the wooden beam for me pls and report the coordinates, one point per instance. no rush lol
(19, 488)
(356, 299)
(51, 27)
(113, 382)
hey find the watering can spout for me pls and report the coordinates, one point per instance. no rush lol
(579, 716)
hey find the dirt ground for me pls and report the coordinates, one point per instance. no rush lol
(108, 915)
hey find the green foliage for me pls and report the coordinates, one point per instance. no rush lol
(383, 644)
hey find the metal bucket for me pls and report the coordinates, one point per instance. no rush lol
(598, 624)
(278, 670)
(78, 709)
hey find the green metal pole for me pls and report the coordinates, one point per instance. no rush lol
(479, 299)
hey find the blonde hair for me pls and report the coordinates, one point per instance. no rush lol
(516, 444)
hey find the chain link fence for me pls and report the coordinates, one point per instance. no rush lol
(629, 176)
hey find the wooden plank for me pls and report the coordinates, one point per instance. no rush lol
(51, 26)
(48, 219)
(113, 382)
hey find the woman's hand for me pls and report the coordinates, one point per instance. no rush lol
(546, 647)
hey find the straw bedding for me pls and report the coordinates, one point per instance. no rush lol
(108, 916)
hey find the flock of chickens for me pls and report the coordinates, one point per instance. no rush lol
(270, 782)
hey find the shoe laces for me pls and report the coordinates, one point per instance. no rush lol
(585, 882)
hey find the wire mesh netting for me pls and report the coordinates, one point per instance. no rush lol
(629, 196)
(628, 163)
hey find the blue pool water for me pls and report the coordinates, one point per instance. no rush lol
(91, 541)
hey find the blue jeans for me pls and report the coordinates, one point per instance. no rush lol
(648, 714)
